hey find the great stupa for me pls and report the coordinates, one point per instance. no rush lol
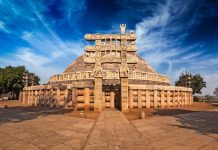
(108, 75)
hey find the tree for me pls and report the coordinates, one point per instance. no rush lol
(216, 91)
(184, 80)
(195, 82)
(11, 79)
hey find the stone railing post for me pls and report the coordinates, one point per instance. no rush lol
(74, 102)
(173, 92)
(178, 98)
(148, 101)
(168, 98)
(185, 97)
(112, 98)
(162, 97)
(103, 100)
(139, 99)
(155, 98)
(87, 97)
(130, 98)
(58, 97)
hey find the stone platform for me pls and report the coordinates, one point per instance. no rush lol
(190, 131)
(38, 128)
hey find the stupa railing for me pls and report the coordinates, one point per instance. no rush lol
(87, 75)
(148, 76)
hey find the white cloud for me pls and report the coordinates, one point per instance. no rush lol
(27, 56)
(27, 35)
(3, 27)
(159, 41)
(45, 52)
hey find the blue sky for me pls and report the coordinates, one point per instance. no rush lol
(173, 35)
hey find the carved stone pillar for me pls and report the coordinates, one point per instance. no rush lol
(124, 94)
(124, 72)
(98, 94)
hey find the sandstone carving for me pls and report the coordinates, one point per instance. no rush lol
(108, 75)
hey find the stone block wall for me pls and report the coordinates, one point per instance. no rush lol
(80, 98)
(157, 96)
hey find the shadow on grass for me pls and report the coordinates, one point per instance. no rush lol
(20, 113)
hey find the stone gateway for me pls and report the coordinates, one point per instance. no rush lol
(108, 75)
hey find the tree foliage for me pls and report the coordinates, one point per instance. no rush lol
(216, 91)
(195, 82)
(11, 79)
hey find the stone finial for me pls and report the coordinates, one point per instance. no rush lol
(123, 28)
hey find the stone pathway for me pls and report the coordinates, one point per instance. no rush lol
(191, 131)
(42, 129)
(42, 132)
(113, 131)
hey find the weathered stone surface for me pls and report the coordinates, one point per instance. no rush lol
(33, 130)
(185, 131)
(107, 63)
(113, 131)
